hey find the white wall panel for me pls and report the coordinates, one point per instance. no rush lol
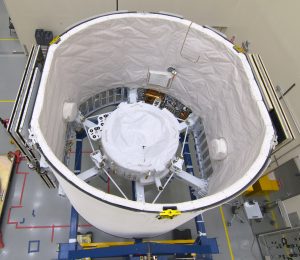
(55, 15)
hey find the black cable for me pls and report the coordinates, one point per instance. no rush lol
(287, 91)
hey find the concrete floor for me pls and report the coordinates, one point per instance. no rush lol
(21, 225)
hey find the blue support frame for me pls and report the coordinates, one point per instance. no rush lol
(78, 152)
(66, 248)
(203, 246)
(200, 225)
(140, 249)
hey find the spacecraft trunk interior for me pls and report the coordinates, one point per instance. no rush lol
(141, 85)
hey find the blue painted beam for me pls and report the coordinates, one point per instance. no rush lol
(133, 196)
(73, 224)
(189, 168)
(77, 167)
(78, 152)
(200, 225)
(141, 249)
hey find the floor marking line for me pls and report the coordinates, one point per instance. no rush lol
(226, 233)
(22, 172)
(36, 243)
(31, 227)
(23, 187)
(7, 101)
(9, 213)
(16, 223)
(9, 39)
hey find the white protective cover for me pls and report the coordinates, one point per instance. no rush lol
(212, 79)
(140, 138)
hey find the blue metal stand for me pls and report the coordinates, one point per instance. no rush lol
(132, 251)
(78, 152)
(203, 246)
(66, 248)
(140, 249)
(202, 238)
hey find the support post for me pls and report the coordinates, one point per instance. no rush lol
(200, 225)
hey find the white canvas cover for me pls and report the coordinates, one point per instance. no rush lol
(140, 138)
(212, 79)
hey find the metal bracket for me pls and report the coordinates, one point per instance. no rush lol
(157, 102)
(275, 141)
(32, 138)
(43, 163)
(97, 158)
(177, 165)
(95, 130)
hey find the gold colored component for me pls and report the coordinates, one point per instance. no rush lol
(184, 115)
(151, 95)
(169, 214)
(85, 239)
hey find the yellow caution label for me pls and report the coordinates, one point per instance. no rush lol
(55, 40)
(169, 214)
(239, 49)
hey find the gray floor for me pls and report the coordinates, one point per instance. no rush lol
(51, 209)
